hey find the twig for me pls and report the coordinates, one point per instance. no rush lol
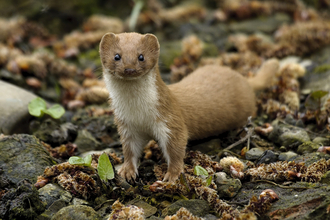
(281, 186)
(247, 136)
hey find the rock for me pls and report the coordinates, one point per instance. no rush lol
(86, 142)
(77, 201)
(52, 210)
(322, 141)
(227, 187)
(195, 206)
(288, 136)
(286, 156)
(253, 153)
(262, 24)
(212, 145)
(23, 156)
(55, 134)
(310, 203)
(149, 210)
(267, 157)
(99, 122)
(52, 192)
(317, 81)
(21, 202)
(308, 147)
(74, 212)
(14, 114)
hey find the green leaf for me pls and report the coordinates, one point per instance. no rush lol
(76, 161)
(319, 94)
(209, 180)
(56, 111)
(88, 160)
(198, 170)
(104, 168)
(313, 101)
(37, 107)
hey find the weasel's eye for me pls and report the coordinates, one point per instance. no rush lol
(141, 57)
(117, 57)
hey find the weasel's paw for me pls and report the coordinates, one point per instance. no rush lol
(128, 172)
(171, 177)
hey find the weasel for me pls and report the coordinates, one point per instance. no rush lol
(209, 101)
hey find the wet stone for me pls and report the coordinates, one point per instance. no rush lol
(322, 141)
(267, 157)
(308, 147)
(195, 206)
(23, 156)
(21, 202)
(253, 154)
(286, 156)
(74, 212)
(227, 187)
(52, 192)
(149, 210)
(14, 115)
(288, 136)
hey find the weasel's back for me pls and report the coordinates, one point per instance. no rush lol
(214, 99)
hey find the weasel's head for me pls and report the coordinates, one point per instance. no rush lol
(129, 55)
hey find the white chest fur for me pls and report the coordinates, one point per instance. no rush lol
(135, 103)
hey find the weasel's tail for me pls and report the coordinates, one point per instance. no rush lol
(265, 75)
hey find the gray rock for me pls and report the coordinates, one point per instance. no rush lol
(20, 202)
(195, 206)
(286, 156)
(23, 157)
(267, 157)
(52, 210)
(254, 153)
(14, 114)
(265, 25)
(52, 192)
(307, 147)
(77, 201)
(322, 141)
(149, 210)
(55, 134)
(227, 187)
(209, 146)
(288, 136)
(75, 212)
(86, 142)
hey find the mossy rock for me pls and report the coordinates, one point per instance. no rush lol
(308, 147)
(74, 212)
(23, 156)
(195, 206)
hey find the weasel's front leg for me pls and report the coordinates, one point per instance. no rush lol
(132, 149)
(174, 152)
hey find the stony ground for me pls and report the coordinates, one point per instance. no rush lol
(275, 167)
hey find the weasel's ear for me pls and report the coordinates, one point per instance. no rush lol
(151, 42)
(107, 42)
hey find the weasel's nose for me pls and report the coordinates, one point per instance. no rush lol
(130, 71)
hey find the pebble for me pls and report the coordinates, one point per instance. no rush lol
(254, 153)
(286, 156)
(267, 157)
(14, 114)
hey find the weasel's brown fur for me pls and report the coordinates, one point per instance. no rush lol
(209, 101)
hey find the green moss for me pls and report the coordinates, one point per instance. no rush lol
(322, 68)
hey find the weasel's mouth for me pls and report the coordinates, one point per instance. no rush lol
(128, 76)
